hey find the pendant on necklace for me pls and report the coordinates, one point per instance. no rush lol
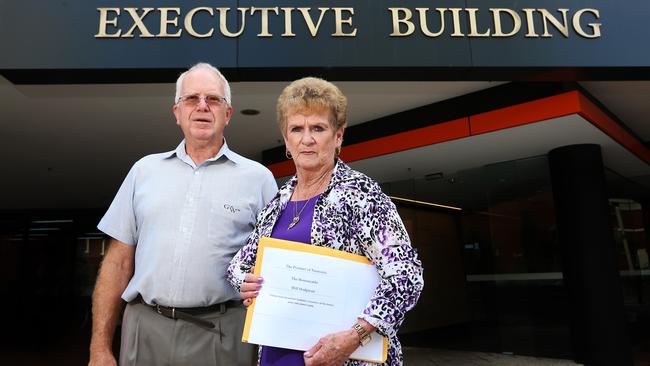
(294, 222)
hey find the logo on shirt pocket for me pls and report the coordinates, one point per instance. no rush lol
(229, 219)
(231, 208)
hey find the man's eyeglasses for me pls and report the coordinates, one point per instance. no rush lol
(194, 99)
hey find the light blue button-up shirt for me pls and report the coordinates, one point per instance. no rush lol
(187, 222)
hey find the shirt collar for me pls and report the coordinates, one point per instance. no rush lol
(180, 153)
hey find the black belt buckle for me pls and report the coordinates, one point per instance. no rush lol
(222, 307)
(159, 310)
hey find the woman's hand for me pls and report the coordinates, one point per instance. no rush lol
(333, 349)
(250, 288)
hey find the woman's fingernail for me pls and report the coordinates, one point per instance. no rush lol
(307, 354)
(258, 286)
(260, 280)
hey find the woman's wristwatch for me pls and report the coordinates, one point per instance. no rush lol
(364, 336)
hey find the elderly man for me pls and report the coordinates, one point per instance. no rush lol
(175, 223)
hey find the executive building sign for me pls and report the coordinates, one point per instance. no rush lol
(173, 22)
(386, 37)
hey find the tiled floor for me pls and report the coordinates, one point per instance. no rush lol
(438, 357)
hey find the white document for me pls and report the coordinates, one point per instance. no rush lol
(309, 292)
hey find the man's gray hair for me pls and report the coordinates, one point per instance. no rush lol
(207, 66)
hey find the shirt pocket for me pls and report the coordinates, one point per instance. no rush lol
(230, 220)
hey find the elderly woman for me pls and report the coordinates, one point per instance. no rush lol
(330, 205)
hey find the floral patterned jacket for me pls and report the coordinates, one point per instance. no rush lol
(355, 216)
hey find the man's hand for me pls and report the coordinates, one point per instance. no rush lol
(104, 358)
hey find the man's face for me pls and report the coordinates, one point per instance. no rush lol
(202, 122)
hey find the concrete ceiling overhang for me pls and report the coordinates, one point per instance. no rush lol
(70, 146)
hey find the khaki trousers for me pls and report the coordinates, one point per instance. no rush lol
(149, 338)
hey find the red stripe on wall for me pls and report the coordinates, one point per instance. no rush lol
(517, 115)
(282, 169)
(525, 113)
(592, 113)
(419, 137)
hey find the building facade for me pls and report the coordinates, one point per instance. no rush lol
(512, 138)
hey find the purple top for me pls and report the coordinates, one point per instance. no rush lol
(272, 356)
(302, 231)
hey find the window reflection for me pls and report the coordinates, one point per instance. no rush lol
(493, 273)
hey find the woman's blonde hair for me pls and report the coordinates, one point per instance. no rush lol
(312, 94)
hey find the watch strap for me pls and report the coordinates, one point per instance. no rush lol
(364, 336)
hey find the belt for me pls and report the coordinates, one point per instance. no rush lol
(189, 314)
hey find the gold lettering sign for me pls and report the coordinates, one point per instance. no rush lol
(595, 27)
(339, 21)
(496, 19)
(431, 22)
(165, 22)
(264, 32)
(313, 28)
(104, 22)
(402, 16)
(138, 23)
(288, 29)
(189, 22)
(553, 22)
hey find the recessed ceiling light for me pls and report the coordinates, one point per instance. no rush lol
(250, 112)
(51, 221)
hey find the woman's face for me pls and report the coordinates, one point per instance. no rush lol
(311, 139)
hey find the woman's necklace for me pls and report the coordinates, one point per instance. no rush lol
(296, 213)
(296, 216)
